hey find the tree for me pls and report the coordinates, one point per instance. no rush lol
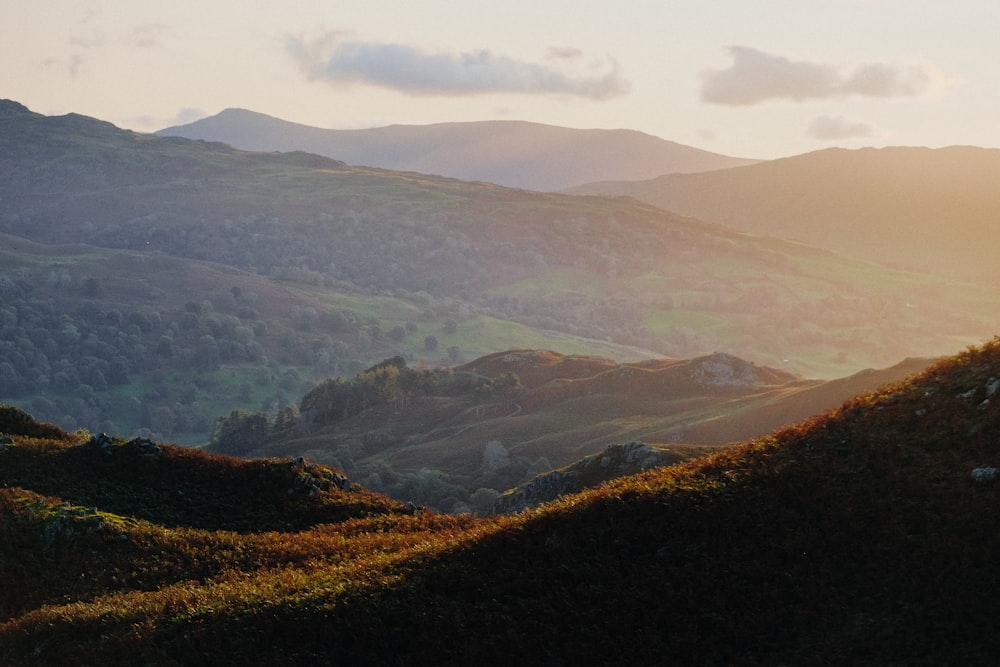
(430, 343)
(495, 456)
(240, 433)
(509, 386)
(483, 500)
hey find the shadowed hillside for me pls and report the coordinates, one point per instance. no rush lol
(916, 208)
(863, 536)
(455, 439)
(511, 153)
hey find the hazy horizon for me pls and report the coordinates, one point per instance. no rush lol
(763, 82)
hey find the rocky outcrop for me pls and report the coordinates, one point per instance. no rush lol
(615, 461)
(140, 447)
(311, 479)
(725, 370)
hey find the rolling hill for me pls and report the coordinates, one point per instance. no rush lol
(138, 343)
(604, 269)
(512, 153)
(454, 438)
(920, 209)
(861, 536)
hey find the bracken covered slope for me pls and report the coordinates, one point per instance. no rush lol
(863, 536)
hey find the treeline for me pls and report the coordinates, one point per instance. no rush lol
(74, 353)
(389, 383)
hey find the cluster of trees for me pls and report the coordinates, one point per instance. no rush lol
(241, 432)
(78, 359)
(388, 383)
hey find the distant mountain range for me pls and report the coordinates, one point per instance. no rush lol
(511, 153)
(921, 209)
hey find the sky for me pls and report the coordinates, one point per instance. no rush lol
(750, 78)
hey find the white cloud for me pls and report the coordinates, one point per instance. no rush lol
(334, 59)
(756, 76)
(830, 128)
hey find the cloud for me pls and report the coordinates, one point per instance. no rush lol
(408, 69)
(147, 35)
(829, 128)
(188, 115)
(755, 77)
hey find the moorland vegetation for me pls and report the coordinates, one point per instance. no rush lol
(454, 439)
(862, 535)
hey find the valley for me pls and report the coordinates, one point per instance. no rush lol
(249, 277)
(389, 334)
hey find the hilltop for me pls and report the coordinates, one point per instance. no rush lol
(858, 536)
(515, 154)
(922, 209)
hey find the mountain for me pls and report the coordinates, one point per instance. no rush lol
(454, 439)
(861, 536)
(512, 153)
(139, 343)
(604, 269)
(919, 209)
(151, 284)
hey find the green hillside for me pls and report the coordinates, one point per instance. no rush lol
(862, 536)
(606, 269)
(152, 284)
(134, 343)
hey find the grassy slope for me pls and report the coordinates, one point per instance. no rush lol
(595, 267)
(925, 209)
(856, 537)
(133, 282)
(571, 407)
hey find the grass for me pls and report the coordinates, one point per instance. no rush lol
(855, 537)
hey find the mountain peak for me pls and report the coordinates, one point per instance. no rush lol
(512, 153)
(10, 108)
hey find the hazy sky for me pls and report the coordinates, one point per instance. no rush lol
(754, 78)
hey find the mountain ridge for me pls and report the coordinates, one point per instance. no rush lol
(519, 154)
(380, 263)
(929, 209)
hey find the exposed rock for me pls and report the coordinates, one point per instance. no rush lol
(724, 370)
(984, 474)
(615, 461)
(312, 479)
(144, 447)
